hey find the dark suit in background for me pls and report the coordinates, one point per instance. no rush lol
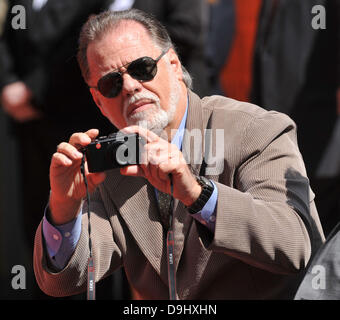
(42, 56)
(296, 71)
(222, 25)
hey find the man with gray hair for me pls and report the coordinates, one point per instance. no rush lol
(245, 230)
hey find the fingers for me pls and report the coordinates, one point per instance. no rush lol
(92, 133)
(162, 163)
(82, 139)
(68, 152)
(146, 134)
(59, 159)
(157, 153)
(159, 160)
(65, 157)
(133, 170)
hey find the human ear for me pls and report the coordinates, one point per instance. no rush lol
(97, 99)
(175, 63)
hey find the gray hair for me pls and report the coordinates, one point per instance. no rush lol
(99, 25)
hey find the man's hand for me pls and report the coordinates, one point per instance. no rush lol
(16, 102)
(67, 182)
(159, 159)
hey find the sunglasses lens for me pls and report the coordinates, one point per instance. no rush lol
(110, 85)
(143, 69)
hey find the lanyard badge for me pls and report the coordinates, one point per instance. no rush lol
(91, 280)
(170, 245)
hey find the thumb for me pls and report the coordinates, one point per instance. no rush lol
(95, 179)
(133, 170)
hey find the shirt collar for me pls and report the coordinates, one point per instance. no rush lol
(178, 138)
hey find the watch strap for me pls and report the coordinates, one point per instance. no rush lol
(207, 190)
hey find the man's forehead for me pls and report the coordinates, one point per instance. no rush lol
(122, 41)
(123, 44)
(126, 34)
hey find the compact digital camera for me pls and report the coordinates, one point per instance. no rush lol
(114, 151)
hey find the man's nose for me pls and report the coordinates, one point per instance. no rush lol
(130, 85)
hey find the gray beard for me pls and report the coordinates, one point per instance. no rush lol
(156, 119)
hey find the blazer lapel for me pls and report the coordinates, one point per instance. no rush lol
(135, 199)
(192, 149)
(193, 139)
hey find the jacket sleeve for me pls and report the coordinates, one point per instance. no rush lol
(267, 218)
(73, 278)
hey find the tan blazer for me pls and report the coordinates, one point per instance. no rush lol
(265, 217)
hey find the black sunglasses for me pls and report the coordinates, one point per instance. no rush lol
(142, 69)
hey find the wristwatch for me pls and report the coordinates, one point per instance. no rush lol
(207, 190)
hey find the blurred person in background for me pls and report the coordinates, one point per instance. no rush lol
(296, 71)
(236, 73)
(41, 90)
(220, 38)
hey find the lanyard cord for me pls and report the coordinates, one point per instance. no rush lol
(90, 267)
(170, 244)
